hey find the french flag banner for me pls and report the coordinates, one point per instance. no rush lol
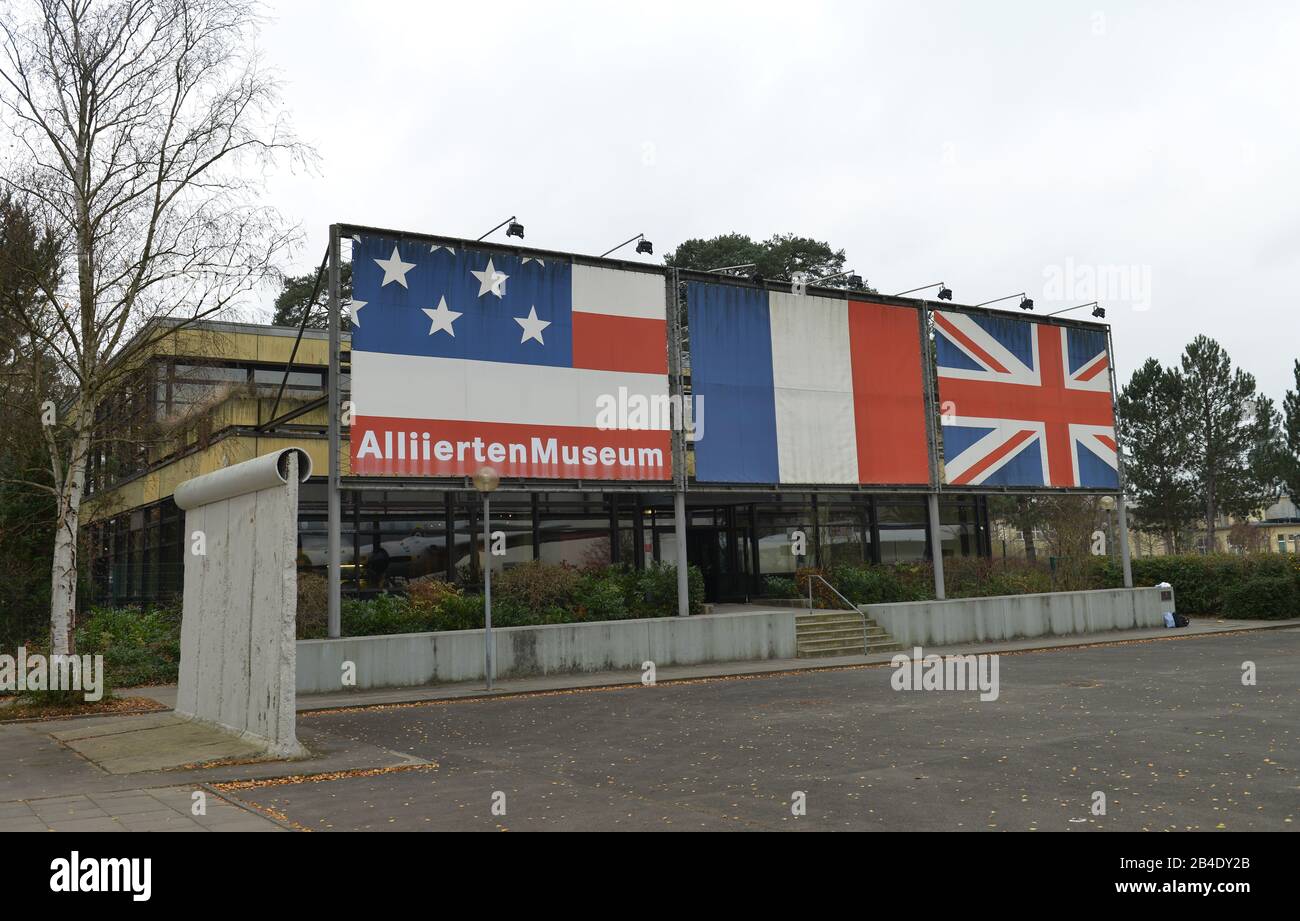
(1024, 403)
(805, 389)
(469, 357)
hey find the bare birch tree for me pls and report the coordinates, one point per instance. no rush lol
(144, 129)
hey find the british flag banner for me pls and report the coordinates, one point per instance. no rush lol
(470, 356)
(1024, 403)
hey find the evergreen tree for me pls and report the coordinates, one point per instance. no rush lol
(1218, 408)
(295, 292)
(1156, 442)
(1289, 453)
(29, 263)
(781, 256)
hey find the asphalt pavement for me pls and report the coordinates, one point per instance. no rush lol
(1162, 735)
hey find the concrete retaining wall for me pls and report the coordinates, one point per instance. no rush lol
(1006, 617)
(412, 659)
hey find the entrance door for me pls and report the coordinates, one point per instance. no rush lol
(704, 549)
(722, 553)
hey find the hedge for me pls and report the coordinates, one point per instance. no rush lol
(140, 646)
(1201, 583)
(1264, 597)
(1224, 585)
(527, 595)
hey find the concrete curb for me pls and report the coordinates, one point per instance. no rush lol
(247, 807)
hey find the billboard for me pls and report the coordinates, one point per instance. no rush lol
(551, 366)
(802, 389)
(1024, 403)
(463, 357)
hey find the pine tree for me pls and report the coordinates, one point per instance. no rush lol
(1219, 409)
(1289, 455)
(1156, 452)
(295, 292)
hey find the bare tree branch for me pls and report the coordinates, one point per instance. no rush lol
(141, 126)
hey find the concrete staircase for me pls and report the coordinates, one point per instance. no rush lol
(839, 633)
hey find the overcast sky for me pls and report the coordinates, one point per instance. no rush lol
(997, 146)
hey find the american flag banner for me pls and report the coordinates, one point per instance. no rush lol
(1024, 403)
(465, 357)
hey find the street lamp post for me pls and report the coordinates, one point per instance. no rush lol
(486, 480)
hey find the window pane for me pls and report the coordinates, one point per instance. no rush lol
(845, 532)
(902, 530)
(784, 528)
(574, 529)
(957, 527)
(512, 516)
(296, 378)
(313, 495)
(211, 374)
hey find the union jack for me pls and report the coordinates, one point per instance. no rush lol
(1024, 403)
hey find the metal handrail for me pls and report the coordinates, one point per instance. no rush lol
(857, 610)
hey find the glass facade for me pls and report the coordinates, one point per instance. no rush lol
(137, 557)
(573, 528)
(783, 527)
(394, 532)
(962, 532)
(165, 392)
(901, 523)
(390, 536)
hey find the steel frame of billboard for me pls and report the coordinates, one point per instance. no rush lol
(680, 483)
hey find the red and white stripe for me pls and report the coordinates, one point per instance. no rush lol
(414, 415)
(619, 320)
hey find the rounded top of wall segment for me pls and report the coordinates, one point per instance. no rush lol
(265, 472)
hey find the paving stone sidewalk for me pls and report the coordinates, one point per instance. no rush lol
(161, 809)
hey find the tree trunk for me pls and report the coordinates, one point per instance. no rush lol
(1027, 530)
(63, 584)
(1211, 544)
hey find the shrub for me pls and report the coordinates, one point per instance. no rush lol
(977, 577)
(313, 605)
(428, 593)
(805, 578)
(66, 697)
(139, 646)
(887, 583)
(915, 580)
(655, 591)
(381, 615)
(527, 595)
(779, 587)
(537, 585)
(600, 595)
(1201, 581)
(1264, 597)
(511, 612)
(459, 612)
